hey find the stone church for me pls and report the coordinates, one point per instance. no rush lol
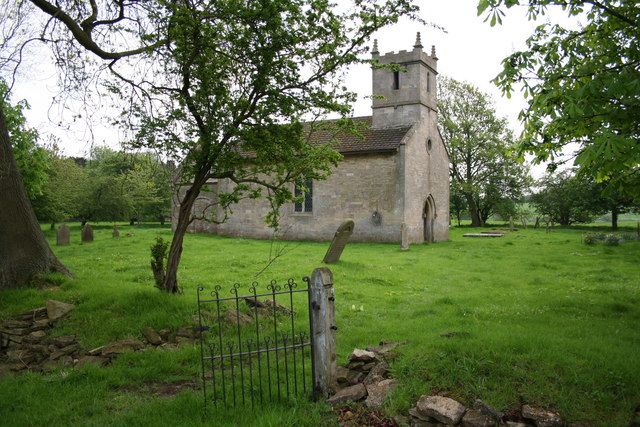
(394, 183)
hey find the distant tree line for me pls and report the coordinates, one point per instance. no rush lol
(109, 185)
(567, 197)
(489, 177)
(560, 197)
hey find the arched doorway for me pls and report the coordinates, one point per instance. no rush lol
(428, 217)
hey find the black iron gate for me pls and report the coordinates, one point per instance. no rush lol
(256, 347)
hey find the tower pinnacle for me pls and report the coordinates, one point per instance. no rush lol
(418, 44)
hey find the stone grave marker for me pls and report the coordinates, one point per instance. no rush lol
(115, 232)
(338, 243)
(87, 233)
(404, 238)
(63, 235)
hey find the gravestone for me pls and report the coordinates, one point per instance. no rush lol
(338, 243)
(404, 238)
(115, 232)
(87, 233)
(62, 238)
(483, 234)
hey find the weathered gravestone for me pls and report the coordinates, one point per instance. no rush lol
(115, 232)
(338, 243)
(62, 238)
(404, 238)
(87, 233)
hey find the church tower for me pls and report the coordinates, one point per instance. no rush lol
(406, 96)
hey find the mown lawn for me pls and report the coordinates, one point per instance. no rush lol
(532, 317)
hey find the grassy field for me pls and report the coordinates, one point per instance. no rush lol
(532, 317)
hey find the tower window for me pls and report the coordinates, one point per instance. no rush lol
(306, 204)
(429, 144)
(396, 80)
(428, 82)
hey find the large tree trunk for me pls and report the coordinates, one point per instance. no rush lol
(614, 219)
(24, 251)
(184, 219)
(474, 212)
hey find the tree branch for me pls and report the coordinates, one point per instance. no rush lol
(84, 37)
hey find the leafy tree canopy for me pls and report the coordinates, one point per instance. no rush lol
(109, 186)
(33, 160)
(61, 195)
(124, 186)
(565, 198)
(582, 86)
(484, 168)
(221, 86)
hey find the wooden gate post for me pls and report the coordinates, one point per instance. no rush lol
(323, 331)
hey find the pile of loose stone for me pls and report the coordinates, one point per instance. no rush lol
(438, 410)
(26, 344)
(25, 341)
(366, 377)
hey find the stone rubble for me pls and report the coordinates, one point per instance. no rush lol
(541, 417)
(365, 377)
(24, 341)
(485, 409)
(348, 394)
(440, 408)
(152, 336)
(26, 344)
(378, 392)
(57, 309)
(475, 418)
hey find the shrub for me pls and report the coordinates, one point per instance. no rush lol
(590, 239)
(158, 255)
(628, 237)
(612, 240)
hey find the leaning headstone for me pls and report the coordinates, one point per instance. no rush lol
(87, 233)
(338, 243)
(115, 232)
(62, 238)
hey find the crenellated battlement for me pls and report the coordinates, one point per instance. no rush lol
(409, 91)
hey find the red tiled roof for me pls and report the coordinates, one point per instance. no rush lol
(366, 141)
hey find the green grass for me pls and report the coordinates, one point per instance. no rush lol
(536, 317)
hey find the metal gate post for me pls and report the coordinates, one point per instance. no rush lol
(323, 331)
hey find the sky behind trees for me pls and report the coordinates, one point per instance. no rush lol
(468, 49)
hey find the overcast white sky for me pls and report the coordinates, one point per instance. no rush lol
(469, 50)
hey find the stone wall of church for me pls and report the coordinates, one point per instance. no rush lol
(427, 174)
(366, 188)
